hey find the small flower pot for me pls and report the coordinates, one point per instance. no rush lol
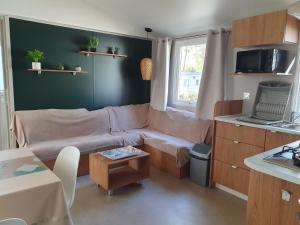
(36, 66)
(93, 49)
(78, 68)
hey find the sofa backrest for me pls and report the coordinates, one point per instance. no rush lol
(128, 117)
(35, 126)
(179, 123)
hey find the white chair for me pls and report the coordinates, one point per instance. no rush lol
(66, 167)
(13, 221)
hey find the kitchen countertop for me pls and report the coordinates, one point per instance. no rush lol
(258, 164)
(232, 119)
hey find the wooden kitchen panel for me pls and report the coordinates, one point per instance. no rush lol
(265, 204)
(275, 139)
(248, 31)
(233, 152)
(266, 29)
(240, 133)
(274, 27)
(259, 199)
(230, 176)
(285, 212)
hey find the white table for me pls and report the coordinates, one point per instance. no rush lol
(36, 197)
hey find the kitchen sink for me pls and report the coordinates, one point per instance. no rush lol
(287, 126)
(292, 126)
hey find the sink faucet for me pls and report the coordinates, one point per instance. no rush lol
(294, 116)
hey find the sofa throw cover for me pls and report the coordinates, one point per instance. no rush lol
(30, 127)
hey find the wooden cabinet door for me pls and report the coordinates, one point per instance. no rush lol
(291, 34)
(234, 153)
(271, 28)
(275, 139)
(260, 197)
(285, 212)
(231, 176)
(274, 27)
(248, 31)
(240, 133)
(265, 204)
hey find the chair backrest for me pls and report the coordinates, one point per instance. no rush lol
(13, 221)
(66, 167)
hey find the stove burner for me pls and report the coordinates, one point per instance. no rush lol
(294, 150)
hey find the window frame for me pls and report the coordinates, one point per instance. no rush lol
(177, 46)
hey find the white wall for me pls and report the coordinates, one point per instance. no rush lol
(235, 86)
(68, 12)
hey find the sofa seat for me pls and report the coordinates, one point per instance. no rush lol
(177, 147)
(48, 150)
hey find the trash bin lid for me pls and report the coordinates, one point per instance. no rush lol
(201, 150)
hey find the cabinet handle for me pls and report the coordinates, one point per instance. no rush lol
(237, 125)
(236, 142)
(234, 167)
(273, 131)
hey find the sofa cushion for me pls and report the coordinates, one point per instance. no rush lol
(36, 126)
(49, 150)
(128, 117)
(177, 147)
(179, 123)
(133, 139)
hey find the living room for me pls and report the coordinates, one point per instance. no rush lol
(130, 112)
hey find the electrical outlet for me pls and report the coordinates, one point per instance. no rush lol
(285, 195)
(246, 95)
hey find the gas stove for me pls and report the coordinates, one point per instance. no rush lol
(288, 157)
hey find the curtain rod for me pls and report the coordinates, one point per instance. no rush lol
(201, 35)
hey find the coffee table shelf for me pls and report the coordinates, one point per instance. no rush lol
(113, 174)
(122, 176)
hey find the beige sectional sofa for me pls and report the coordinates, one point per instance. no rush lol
(168, 136)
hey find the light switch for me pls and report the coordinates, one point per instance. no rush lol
(246, 95)
(285, 195)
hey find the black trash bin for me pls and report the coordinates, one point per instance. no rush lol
(200, 164)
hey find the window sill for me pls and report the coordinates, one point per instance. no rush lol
(190, 108)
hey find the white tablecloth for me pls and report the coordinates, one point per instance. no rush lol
(37, 197)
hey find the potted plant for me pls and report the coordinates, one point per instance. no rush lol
(93, 44)
(61, 66)
(35, 55)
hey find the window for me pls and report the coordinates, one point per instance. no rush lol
(189, 60)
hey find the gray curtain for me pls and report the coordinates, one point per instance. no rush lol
(161, 49)
(212, 82)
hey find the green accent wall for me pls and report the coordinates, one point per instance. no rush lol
(109, 81)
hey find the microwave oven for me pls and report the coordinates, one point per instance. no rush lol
(261, 61)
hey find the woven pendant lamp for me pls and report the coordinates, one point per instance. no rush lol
(146, 63)
(146, 68)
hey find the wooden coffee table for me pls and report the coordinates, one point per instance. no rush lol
(113, 174)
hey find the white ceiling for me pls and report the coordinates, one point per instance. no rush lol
(179, 17)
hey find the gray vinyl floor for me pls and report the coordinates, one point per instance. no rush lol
(160, 200)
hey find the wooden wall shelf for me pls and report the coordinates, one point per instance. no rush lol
(260, 74)
(74, 72)
(87, 53)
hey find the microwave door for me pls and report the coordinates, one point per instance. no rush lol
(249, 61)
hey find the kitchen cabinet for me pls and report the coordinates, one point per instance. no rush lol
(267, 29)
(272, 201)
(233, 143)
(240, 133)
(231, 176)
(275, 139)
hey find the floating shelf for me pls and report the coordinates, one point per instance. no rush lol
(260, 74)
(74, 72)
(87, 53)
